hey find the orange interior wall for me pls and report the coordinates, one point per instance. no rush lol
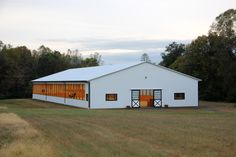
(146, 100)
(39, 89)
(74, 91)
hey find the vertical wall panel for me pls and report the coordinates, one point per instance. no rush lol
(39, 89)
(75, 91)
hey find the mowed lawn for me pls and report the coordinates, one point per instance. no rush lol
(40, 129)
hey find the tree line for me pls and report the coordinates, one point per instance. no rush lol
(20, 65)
(211, 58)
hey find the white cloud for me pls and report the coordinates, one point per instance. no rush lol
(106, 25)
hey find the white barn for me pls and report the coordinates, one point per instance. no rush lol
(139, 84)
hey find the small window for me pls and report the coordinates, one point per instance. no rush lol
(179, 96)
(111, 97)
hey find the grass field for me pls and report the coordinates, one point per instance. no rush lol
(39, 129)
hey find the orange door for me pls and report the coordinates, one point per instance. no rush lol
(146, 98)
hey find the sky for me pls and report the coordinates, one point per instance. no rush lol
(120, 30)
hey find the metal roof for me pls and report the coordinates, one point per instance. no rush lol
(90, 73)
(85, 74)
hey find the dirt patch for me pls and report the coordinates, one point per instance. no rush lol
(3, 107)
(26, 141)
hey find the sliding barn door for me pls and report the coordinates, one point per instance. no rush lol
(135, 98)
(157, 98)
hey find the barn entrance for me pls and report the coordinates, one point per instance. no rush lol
(146, 98)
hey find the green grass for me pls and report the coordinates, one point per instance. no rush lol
(71, 132)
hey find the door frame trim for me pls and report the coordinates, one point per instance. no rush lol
(153, 91)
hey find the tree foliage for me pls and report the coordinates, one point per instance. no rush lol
(145, 57)
(18, 66)
(211, 58)
(225, 24)
(173, 50)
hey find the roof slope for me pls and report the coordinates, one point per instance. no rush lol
(90, 73)
(85, 74)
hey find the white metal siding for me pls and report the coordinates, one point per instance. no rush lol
(39, 97)
(77, 103)
(59, 100)
(134, 78)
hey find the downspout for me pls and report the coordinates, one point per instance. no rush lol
(89, 92)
